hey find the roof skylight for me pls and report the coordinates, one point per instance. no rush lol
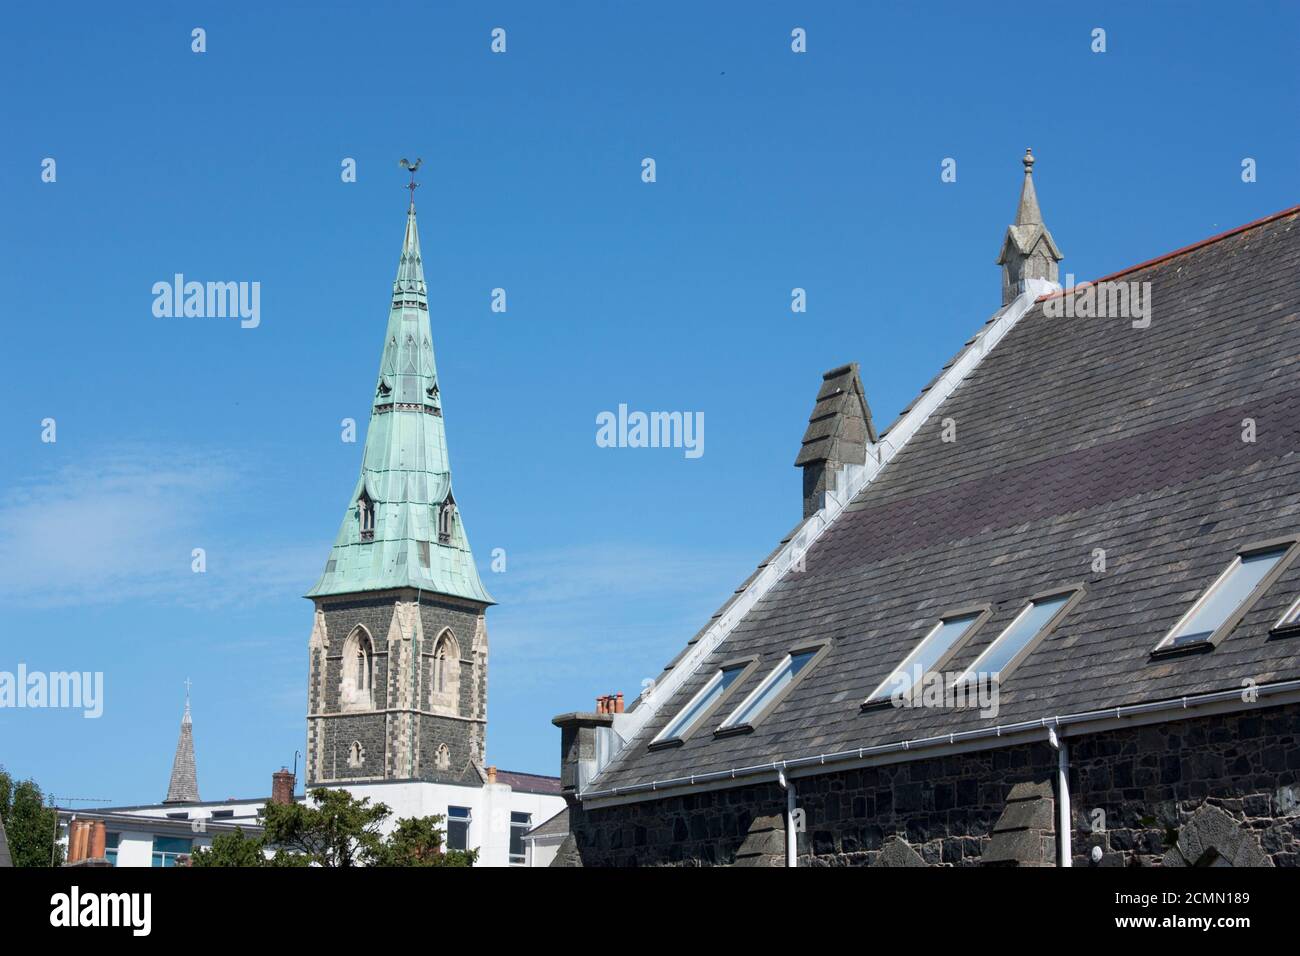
(775, 686)
(1021, 636)
(927, 656)
(1224, 603)
(709, 695)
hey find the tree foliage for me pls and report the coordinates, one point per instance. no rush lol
(334, 830)
(29, 824)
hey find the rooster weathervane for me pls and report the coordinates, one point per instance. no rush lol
(412, 166)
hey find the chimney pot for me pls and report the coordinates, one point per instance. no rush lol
(492, 775)
(78, 840)
(282, 786)
(618, 703)
(98, 840)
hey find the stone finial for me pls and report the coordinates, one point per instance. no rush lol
(1028, 251)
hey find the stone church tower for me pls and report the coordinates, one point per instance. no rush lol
(398, 651)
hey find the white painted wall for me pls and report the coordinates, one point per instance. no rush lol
(490, 807)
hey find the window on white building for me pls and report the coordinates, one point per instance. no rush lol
(520, 824)
(168, 850)
(458, 820)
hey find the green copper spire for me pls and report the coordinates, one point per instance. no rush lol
(402, 527)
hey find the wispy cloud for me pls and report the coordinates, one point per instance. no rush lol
(122, 525)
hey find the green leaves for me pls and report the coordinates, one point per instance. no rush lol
(29, 824)
(335, 830)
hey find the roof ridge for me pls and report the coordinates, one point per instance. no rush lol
(1179, 252)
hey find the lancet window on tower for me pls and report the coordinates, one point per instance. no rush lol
(356, 690)
(444, 679)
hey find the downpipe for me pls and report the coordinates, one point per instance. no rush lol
(791, 838)
(1065, 853)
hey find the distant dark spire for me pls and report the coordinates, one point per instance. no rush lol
(1028, 251)
(184, 786)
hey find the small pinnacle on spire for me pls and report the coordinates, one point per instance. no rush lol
(1027, 213)
(1028, 250)
(187, 699)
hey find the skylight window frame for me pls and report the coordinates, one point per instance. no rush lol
(747, 665)
(1289, 623)
(981, 613)
(819, 650)
(1075, 592)
(1166, 648)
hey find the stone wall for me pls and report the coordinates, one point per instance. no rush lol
(1185, 793)
(944, 809)
(1214, 790)
(401, 732)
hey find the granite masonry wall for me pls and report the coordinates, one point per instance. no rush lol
(394, 735)
(1189, 792)
(1219, 789)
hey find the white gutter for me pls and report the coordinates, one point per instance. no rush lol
(1063, 823)
(1084, 722)
(850, 480)
(791, 837)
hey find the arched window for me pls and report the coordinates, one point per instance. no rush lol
(442, 759)
(444, 676)
(356, 691)
(366, 517)
(446, 520)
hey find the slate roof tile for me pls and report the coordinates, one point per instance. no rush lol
(1072, 434)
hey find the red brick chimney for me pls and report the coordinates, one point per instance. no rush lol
(282, 782)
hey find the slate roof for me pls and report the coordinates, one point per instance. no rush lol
(556, 826)
(529, 782)
(1072, 434)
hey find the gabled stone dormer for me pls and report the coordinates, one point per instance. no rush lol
(839, 430)
(1028, 251)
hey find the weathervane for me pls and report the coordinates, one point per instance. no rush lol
(412, 166)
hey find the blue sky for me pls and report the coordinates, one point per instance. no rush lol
(775, 170)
